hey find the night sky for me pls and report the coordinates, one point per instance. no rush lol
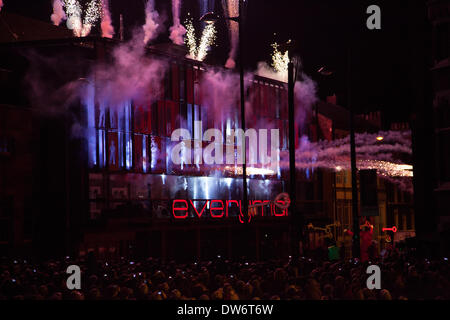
(385, 62)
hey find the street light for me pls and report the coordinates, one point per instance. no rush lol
(296, 218)
(212, 17)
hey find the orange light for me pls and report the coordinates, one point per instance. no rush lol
(380, 138)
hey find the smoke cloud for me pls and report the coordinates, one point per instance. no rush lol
(231, 9)
(106, 24)
(132, 75)
(266, 71)
(177, 31)
(151, 22)
(129, 76)
(386, 156)
(58, 14)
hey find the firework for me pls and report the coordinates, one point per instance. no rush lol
(280, 61)
(91, 16)
(251, 171)
(190, 40)
(207, 40)
(73, 12)
(1, 5)
(371, 154)
(386, 168)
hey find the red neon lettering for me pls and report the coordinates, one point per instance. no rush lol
(180, 209)
(238, 203)
(220, 211)
(274, 209)
(201, 212)
(263, 204)
(211, 209)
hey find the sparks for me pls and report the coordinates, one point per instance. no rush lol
(280, 60)
(207, 40)
(199, 52)
(251, 171)
(91, 16)
(386, 168)
(191, 41)
(73, 12)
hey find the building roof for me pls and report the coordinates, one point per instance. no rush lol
(17, 28)
(341, 118)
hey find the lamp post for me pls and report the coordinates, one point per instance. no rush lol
(356, 248)
(296, 223)
(212, 17)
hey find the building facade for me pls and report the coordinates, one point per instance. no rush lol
(439, 17)
(111, 189)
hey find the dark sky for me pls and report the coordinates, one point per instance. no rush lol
(385, 63)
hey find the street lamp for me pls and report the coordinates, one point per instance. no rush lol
(296, 218)
(212, 17)
(356, 248)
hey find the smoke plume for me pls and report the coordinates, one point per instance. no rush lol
(58, 14)
(231, 9)
(132, 75)
(177, 31)
(151, 22)
(106, 24)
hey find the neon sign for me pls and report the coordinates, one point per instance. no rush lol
(220, 209)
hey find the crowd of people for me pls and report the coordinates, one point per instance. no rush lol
(402, 277)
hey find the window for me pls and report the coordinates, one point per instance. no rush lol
(442, 41)
(6, 207)
(444, 155)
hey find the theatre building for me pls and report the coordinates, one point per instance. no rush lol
(98, 176)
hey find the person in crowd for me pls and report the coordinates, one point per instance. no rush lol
(404, 278)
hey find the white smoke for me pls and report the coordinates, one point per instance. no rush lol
(266, 71)
(73, 12)
(58, 14)
(177, 31)
(231, 9)
(151, 22)
(385, 156)
(106, 24)
(130, 76)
